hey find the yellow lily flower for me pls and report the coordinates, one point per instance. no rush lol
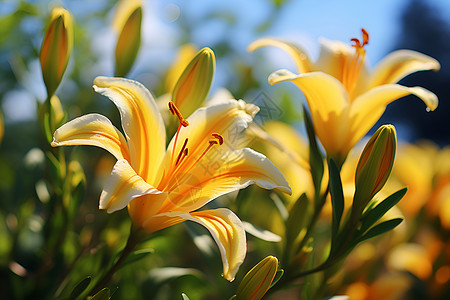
(344, 98)
(163, 187)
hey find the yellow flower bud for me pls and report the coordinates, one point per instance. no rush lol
(193, 85)
(375, 165)
(56, 48)
(183, 58)
(258, 280)
(128, 24)
(57, 110)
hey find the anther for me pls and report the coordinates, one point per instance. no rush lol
(174, 111)
(183, 152)
(218, 137)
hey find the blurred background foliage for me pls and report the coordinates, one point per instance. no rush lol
(81, 240)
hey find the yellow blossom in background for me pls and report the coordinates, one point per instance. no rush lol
(56, 48)
(127, 23)
(163, 187)
(288, 150)
(345, 98)
(183, 57)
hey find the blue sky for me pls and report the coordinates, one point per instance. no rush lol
(302, 21)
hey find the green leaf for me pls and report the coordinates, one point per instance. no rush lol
(380, 229)
(376, 213)
(296, 221)
(104, 294)
(337, 199)
(137, 255)
(277, 277)
(315, 156)
(80, 288)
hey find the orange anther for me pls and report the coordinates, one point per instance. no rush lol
(183, 151)
(175, 111)
(365, 36)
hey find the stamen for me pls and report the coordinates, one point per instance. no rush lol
(351, 71)
(182, 151)
(175, 111)
(218, 137)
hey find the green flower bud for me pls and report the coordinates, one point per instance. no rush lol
(56, 48)
(258, 280)
(129, 40)
(375, 165)
(194, 83)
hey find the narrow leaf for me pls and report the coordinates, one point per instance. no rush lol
(136, 256)
(315, 156)
(337, 198)
(376, 213)
(277, 277)
(380, 229)
(80, 288)
(104, 294)
(296, 221)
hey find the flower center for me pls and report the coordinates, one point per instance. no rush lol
(180, 166)
(352, 69)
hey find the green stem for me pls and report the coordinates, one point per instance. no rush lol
(135, 237)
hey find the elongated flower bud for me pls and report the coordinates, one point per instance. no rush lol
(194, 83)
(56, 48)
(128, 25)
(375, 165)
(258, 280)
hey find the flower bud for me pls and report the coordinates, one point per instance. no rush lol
(375, 165)
(57, 110)
(56, 48)
(128, 25)
(183, 58)
(193, 85)
(258, 280)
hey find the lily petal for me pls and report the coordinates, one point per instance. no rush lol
(328, 103)
(220, 174)
(399, 64)
(335, 57)
(368, 108)
(299, 56)
(94, 130)
(229, 234)
(142, 122)
(123, 186)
